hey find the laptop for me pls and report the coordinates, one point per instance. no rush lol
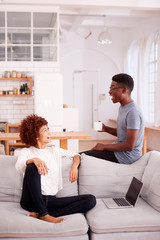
(129, 200)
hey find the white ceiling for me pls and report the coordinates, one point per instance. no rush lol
(88, 13)
(112, 17)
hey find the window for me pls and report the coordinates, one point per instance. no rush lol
(153, 62)
(26, 36)
(2, 36)
(132, 65)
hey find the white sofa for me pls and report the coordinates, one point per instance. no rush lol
(103, 178)
(96, 176)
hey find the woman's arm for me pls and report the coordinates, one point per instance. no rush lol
(74, 170)
(24, 159)
(73, 176)
(40, 164)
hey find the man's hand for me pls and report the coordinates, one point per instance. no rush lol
(98, 147)
(103, 128)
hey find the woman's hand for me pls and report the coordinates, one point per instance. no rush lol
(40, 164)
(73, 176)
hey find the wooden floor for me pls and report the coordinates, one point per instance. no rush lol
(85, 145)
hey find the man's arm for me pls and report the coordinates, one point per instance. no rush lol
(110, 130)
(128, 145)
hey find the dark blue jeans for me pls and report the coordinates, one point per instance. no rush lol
(32, 200)
(106, 155)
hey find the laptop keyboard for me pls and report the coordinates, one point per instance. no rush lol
(121, 202)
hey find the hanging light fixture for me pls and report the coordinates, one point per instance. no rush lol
(104, 37)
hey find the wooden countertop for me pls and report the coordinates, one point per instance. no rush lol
(54, 135)
(63, 138)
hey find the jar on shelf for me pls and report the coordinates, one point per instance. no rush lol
(15, 91)
(28, 74)
(14, 74)
(7, 74)
(19, 74)
(23, 75)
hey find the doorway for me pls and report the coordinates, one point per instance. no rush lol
(85, 84)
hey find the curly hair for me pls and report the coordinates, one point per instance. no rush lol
(29, 129)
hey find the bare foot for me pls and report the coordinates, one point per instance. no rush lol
(33, 214)
(49, 218)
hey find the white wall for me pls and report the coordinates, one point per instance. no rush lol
(78, 53)
(143, 30)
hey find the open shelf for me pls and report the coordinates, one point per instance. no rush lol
(18, 79)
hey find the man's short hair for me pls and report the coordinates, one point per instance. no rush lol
(125, 80)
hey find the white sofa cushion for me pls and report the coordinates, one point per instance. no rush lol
(142, 217)
(11, 180)
(103, 178)
(125, 236)
(69, 189)
(15, 224)
(151, 181)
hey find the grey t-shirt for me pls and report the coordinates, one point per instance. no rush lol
(130, 117)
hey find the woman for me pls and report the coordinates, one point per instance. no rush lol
(42, 169)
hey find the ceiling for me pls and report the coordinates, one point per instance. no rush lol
(112, 17)
(75, 14)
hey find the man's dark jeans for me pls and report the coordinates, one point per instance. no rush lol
(106, 155)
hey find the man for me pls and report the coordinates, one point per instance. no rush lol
(130, 125)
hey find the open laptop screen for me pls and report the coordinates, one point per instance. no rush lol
(134, 191)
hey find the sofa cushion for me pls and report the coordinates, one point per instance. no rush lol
(15, 223)
(142, 217)
(69, 189)
(10, 179)
(103, 178)
(151, 181)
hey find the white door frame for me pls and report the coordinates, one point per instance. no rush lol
(94, 100)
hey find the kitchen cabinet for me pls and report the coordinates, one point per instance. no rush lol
(11, 93)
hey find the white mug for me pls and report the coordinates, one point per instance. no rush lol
(98, 126)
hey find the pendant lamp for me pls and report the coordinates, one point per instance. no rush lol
(104, 37)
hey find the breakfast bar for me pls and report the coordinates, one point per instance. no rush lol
(63, 137)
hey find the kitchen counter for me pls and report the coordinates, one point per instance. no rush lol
(63, 137)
